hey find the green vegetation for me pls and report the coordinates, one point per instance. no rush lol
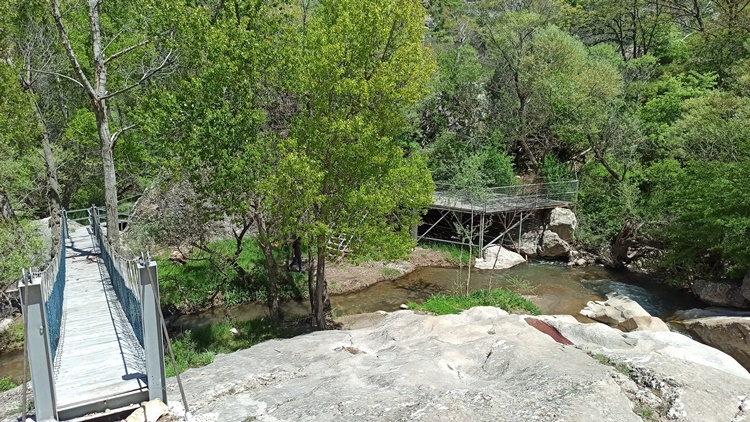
(6, 384)
(192, 285)
(519, 284)
(333, 119)
(199, 346)
(454, 254)
(504, 299)
(12, 338)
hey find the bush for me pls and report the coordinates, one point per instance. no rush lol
(7, 384)
(500, 298)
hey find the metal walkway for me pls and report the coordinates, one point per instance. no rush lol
(98, 355)
(93, 330)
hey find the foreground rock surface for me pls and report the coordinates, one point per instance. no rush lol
(720, 328)
(480, 365)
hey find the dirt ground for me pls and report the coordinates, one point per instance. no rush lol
(348, 278)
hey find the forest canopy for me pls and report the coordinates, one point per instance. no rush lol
(318, 117)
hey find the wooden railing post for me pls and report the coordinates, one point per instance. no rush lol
(153, 344)
(39, 352)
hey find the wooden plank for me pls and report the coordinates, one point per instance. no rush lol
(98, 356)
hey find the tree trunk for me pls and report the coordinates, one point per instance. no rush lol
(274, 308)
(311, 276)
(53, 187)
(6, 211)
(108, 169)
(322, 301)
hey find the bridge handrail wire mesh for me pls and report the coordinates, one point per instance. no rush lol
(53, 287)
(512, 197)
(123, 273)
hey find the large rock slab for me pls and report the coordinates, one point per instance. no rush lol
(720, 294)
(528, 245)
(624, 313)
(563, 222)
(482, 365)
(499, 258)
(726, 331)
(671, 376)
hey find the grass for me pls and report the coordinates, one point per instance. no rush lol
(6, 384)
(454, 304)
(620, 367)
(391, 272)
(453, 253)
(193, 284)
(199, 347)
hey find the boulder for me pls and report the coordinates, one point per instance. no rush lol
(563, 222)
(726, 331)
(720, 294)
(624, 313)
(745, 289)
(529, 243)
(481, 365)
(552, 246)
(498, 258)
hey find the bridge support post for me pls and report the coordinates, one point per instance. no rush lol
(153, 342)
(39, 351)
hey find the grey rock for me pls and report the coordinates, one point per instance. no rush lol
(563, 222)
(745, 289)
(624, 313)
(528, 245)
(482, 365)
(552, 246)
(643, 323)
(499, 258)
(728, 333)
(720, 294)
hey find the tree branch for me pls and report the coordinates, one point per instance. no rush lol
(111, 41)
(116, 135)
(69, 49)
(145, 76)
(125, 51)
(74, 80)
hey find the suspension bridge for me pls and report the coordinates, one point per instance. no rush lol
(94, 334)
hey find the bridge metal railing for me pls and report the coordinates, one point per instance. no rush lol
(507, 198)
(125, 276)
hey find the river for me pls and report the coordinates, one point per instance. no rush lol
(555, 288)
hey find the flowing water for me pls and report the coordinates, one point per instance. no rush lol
(556, 288)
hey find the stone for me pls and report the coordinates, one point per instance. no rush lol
(720, 294)
(234, 332)
(155, 409)
(498, 258)
(552, 246)
(643, 323)
(177, 257)
(480, 365)
(563, 222)
(614, 311)
(745, 289)
(403, 306)
(528, 245)
(139, 415)
(728, 333)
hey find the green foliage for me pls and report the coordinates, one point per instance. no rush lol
(7, 384)
(454, 254)
(199, 346)
(193, 284)
(709, 234)
(12, 338)
(21, 247)
(504, 299)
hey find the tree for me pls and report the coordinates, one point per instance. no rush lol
(362, 63)
(93, 76)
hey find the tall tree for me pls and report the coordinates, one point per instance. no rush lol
(94, 77)
(363, 62)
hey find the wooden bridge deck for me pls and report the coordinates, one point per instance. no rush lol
(98, 357)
